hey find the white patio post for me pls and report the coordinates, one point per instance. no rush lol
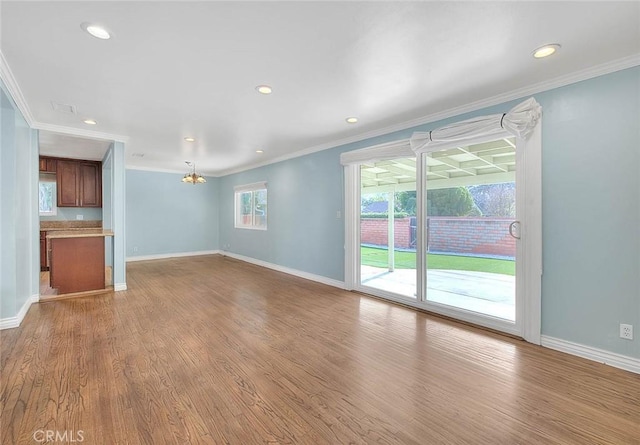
(390, 225)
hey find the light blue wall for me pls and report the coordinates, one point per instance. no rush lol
(8, 194)
(591, 210)
(113, 205)
(19, 241)
(303, 231)
(165, 215)
(118, 214)
(70, 213)
(107, 203)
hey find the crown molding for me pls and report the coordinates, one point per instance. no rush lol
(599, 70)
(165, 170)
(80, 132)
(557, 82)
(14, 90)
(16, 94)
(154, 169)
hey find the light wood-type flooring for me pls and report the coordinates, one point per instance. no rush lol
(211, 350)
(45, 289)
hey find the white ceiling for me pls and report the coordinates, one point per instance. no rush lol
(64, 145)
(178, 69)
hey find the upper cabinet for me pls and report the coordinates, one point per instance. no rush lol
(47, 165)
(79, 183)
(90, 184)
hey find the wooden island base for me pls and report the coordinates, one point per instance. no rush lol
(77, 264)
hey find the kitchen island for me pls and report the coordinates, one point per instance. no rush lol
(77, 260)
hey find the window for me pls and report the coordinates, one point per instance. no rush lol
(251, 206)
(47, 195)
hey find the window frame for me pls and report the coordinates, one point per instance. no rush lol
(54, 195)
(528, 193)
(252, 189)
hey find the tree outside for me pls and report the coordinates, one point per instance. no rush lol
(497, 200)
(489, 200)
(455, 201)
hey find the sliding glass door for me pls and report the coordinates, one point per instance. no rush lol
(471, 229)
(440, 231)
(387, 222)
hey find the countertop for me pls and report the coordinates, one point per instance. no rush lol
(82, 233)
(46, 226)
(70, 229)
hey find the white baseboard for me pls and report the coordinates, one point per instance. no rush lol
(163, 256)
(119, 286)
(14, 322)
(597, 355)
(287, 270)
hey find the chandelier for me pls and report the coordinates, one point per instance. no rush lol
(193, 177)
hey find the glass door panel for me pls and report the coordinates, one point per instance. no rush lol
(388, 226)
(470, 204)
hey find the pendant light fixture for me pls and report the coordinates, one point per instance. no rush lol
(193, 177)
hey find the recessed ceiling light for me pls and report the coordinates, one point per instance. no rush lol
(351, 120)
(259, 151)
(264, 89)
(546, 51)
(90, 122)
(189, 139)
(96, 31)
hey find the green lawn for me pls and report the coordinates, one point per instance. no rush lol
(407, 260)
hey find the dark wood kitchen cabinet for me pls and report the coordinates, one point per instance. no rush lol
(43, 250)
(90, 184)
(79, 183)
(47, 165)
(77, 261)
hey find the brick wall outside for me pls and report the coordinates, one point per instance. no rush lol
(478, 236)
(375, 231)
(485, 236)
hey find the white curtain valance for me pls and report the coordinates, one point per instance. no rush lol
(390, 150)
(248, 187)
(519, 121)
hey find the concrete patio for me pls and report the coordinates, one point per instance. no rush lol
(486, 293)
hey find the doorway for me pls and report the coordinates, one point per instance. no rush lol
(471, 240)
(444, 231)
(388, 230)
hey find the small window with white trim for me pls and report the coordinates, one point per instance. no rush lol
(251, 206)
(47, 195)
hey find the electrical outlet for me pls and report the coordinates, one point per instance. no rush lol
(626, 331)
(135, 249)
(79, 217)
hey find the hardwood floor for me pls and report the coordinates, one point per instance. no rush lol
(211, 350)
(45, 289)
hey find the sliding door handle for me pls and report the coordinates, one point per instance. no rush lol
(514, 229)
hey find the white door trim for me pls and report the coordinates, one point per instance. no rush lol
(532, 239)
(529, 274)
(351, 228)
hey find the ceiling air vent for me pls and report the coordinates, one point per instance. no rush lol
(64, 108)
